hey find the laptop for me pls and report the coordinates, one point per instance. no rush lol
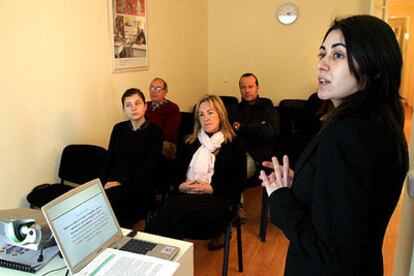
(83, 224)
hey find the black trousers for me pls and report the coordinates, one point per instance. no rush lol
(192, 216)
(130, 205)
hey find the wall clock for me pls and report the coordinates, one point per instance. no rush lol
(287, 13)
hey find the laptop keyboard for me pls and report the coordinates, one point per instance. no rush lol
(138, 246)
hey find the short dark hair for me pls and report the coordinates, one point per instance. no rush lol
(245, 75)
(375, 59)
(131, 91)
(165, 83)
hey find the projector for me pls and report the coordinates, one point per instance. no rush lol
(25, 228)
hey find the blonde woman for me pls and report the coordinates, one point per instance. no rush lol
(211, 171)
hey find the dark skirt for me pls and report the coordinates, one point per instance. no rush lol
(192, 216)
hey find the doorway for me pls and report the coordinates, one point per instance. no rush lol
(400, 16)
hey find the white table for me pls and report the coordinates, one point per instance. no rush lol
(185, 257)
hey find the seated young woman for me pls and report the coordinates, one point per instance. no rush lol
(211, 171)
(134, 154)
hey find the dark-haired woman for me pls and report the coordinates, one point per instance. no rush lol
(336, 207)
(134, 154)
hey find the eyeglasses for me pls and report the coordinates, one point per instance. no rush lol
(155, 88)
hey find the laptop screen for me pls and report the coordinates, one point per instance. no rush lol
(82, 222)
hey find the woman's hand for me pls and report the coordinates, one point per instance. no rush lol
(193, 187)
(111, 184)
(282, 175)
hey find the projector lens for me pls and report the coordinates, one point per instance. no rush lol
(22, 232)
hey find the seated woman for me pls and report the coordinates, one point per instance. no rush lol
(134, 153)
(211, 169)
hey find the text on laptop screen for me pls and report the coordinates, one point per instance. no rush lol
(83, 223)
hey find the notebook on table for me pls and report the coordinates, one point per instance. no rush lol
(83, 224)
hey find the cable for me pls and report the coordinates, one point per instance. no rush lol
(54, 270)
(40, 258)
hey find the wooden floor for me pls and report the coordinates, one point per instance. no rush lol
(267, 258)
(259, 258)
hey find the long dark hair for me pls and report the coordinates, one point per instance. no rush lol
(375, 59)
(372, 47)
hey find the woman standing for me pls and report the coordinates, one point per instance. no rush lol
(336, 207)
(211, 173)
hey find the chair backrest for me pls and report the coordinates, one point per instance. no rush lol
(299, 124)
(229, 100)
(186, 125)
(267, 101)
(292, 115)
(81, 163)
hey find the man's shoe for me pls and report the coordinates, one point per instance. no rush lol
(217, 243)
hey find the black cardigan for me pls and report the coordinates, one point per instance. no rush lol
(346, 186)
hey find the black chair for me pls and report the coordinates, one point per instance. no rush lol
(186, 123)
(237, 223)
(294, 124)
(263, 215)
(234, 222)
(299, 123)
(186, 126)
(229, 100)
(292, 141)
(81, 163)
(78, 164)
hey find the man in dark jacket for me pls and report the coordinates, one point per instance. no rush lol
(257, 123)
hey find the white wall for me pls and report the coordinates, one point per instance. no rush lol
(57, 85)
(244, 36)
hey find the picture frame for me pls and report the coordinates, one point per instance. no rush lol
(128, 33)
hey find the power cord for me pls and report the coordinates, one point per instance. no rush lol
(54, 270)
(40, 258)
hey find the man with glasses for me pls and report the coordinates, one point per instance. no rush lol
(165, 114)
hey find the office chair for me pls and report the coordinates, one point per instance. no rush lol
(78, 164)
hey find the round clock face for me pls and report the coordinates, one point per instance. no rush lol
(287, 13)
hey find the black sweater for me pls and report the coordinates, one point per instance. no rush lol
(259, 128)
(133, 156)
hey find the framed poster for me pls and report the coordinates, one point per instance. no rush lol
(128, 34)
